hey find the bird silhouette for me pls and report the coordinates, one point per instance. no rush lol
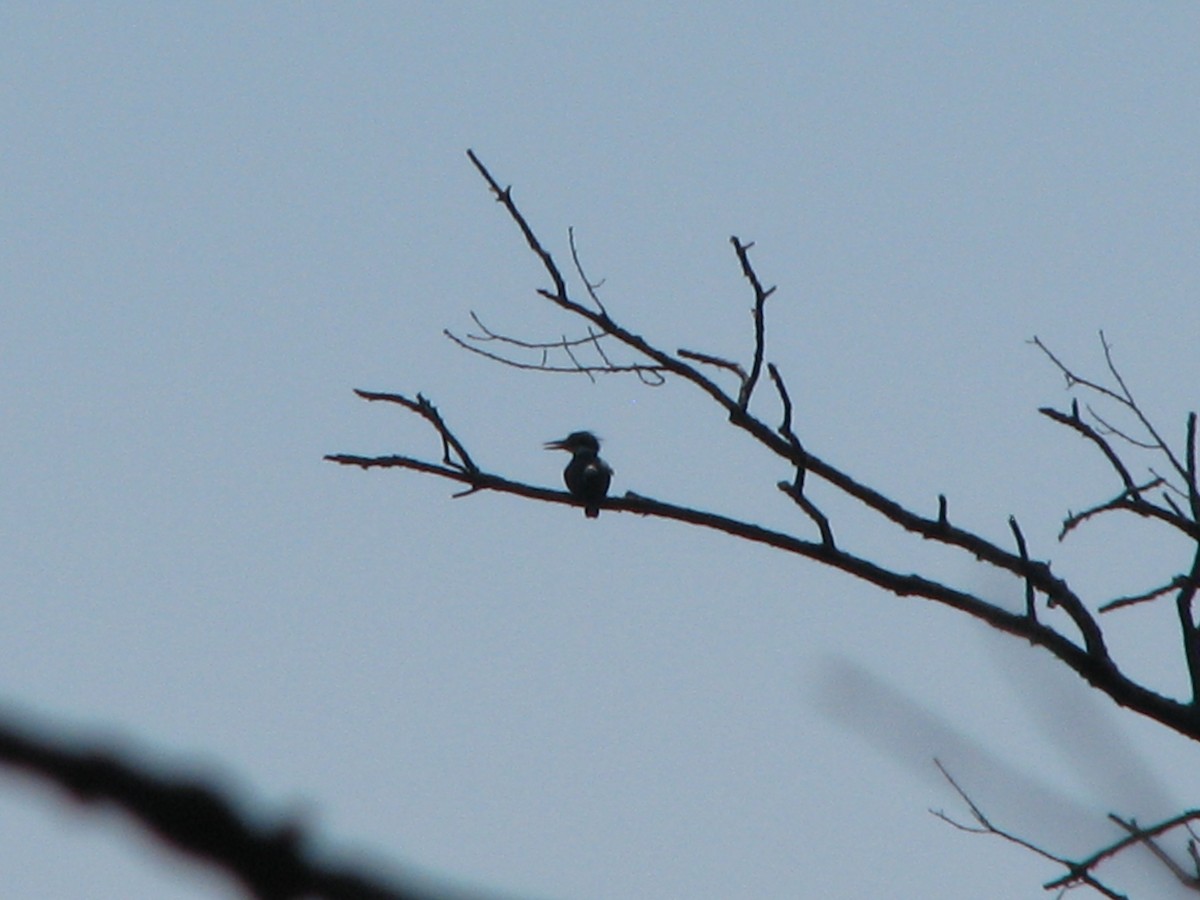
(587, 476)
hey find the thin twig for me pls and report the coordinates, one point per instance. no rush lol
(588, 285)
(710, 360)
(504, 196)
(1077, 872)
(760, 298)
(1121, 602)
(566, 348)
(650, 374)
(1190, 475)
(1030, 596)
(795, 490)
(1136, 503)
(428, 411)
(1107, 427)
(594, 337)
(490, 335)
(1124, 397)
(1077, 424)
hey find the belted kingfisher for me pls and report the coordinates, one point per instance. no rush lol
(587, 475)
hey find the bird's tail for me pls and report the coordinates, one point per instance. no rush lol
(592, 512)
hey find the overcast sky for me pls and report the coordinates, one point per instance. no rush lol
(219, 219)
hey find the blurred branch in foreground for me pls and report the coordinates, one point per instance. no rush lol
(195, 817)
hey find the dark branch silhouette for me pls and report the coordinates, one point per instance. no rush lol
(194, 817)
(1089, 657)
(760, 332)
(1082, 647)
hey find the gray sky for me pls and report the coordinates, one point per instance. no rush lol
(219, 219)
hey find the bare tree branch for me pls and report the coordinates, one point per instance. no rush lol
(1087, 654)
(593, 340)
(760, 298)
(194, 817)
(1131, 498)
(1030, 593)
(710, 360)
(504, 196)
(650, 374)
(1133, 502)
(588, 285)
(1073, 421)
(1097, 670)
(1121, 602)
(1124, 398)
(428, 411)
(1193, 490)
(1090, 659)
(490, 335)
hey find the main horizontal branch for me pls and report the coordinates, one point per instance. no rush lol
(1098, 671)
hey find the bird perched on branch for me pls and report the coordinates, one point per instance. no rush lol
(587, 475)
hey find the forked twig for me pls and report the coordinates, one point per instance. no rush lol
(426, 410)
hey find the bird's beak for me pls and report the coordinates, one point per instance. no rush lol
(555, 445)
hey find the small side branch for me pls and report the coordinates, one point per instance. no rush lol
(1030, 595)
(785, 426)
(661, 362)
(1132, 498)
(426, 410)
(1121, 602)
(1127, 500)
(504, 197)
(588, 285)
(760, 298)
(1193, 490)
(649, 374)
(1076, 423)
(486, 335)
(709, 360)
(1123, 396)
(795, 490)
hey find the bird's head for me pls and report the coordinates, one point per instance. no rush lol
(576, 441)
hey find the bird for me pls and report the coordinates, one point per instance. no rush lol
(587, 476)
